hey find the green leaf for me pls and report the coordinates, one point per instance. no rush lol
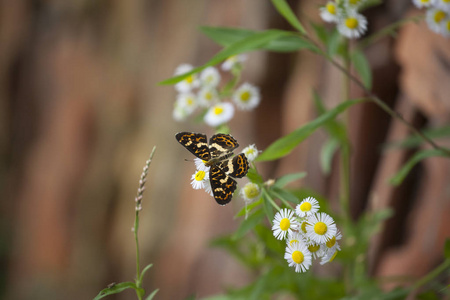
(267, 205)
(249, 208)
(415, 141)
(447, 249)
(327, 153)
(248, 224)
(145, 270)
(227, 36)
(287, 143)
(284, 180)
(362, 66)
(335, 128)
(284, 194)
(284, 9)
(150, 297)
(400, 176)
(115, 289)
(250, 43)
(254, 176)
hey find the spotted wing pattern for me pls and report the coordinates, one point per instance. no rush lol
(236, 167)
(222, 185)
(196, 143)
(217, 155)
(220, 144)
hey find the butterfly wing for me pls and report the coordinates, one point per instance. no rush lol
(220, 144)
(196, 143)
(222, 185)
(236, 167)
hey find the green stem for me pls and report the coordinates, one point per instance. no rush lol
(271, 200)
(375, 98)
(138, 267)
(432, 275)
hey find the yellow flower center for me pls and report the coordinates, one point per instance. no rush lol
(320, 228)
(446, 1)
(245, 96)
(285, 224)
(424, 1)
(293, 241)
(251, 190)
(200, 175)
(304, 226)
(189, 79)
(439, 16)
(190, 101)
(351, 23)
(209, 79)
(313, 248)
(331, 242)
(306, 206)
(208, 96)
(298, 257)
(448, 26)
(250, 151)
(218, 110)
(331, 8)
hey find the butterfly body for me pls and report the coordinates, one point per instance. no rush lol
(217, 154)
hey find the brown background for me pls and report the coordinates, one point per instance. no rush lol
(81, 109)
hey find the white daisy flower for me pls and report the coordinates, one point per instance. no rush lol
(320, 228)
(443, 4)
(200, 165)
(303, 224)
(295, 237)
(219, 114)
(199, 179)
(179, 114)
(332, 245)
(423, 3)
(284, 223)
(247, 96)
(188, 83)
(315, 250)
(445, 28)
(251, 152)
(208, 96)
(353, 25)
(329, 12)
(435, 17)
(328, 257)
(210, 77)
(187, 102)
(250, 192)
(231, 61)
(298, 256)
(307, 207)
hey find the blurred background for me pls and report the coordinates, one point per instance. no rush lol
(81, 109)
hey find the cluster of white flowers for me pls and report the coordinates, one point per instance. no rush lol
(350, 23)
(309, 234)
(202, 91)
(437, 15)
(200, 179)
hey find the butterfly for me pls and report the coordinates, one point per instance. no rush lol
(217, 155)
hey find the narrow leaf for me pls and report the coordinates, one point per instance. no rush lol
(150, 297)
(415, 141)
(327, 153)
(447, 249)
(249, 208)
(400, 176)
(287, 143)
(284, 9)
(145, 270)
(254, 176)
(362, 66)
(284, 194)
(225, 36)
(115, 289)
(283, 180)
(248, 224)
(250, 43)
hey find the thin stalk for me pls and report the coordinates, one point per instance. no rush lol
(271, 200)
(138, 268)
(375, 99)
(432, 275)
